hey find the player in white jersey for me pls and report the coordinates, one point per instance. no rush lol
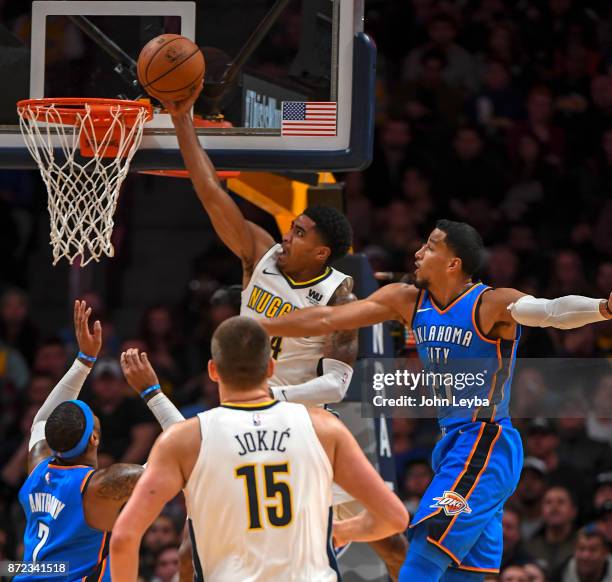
(280, 278)
(257, 478)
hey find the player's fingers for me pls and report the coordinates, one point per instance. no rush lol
(124, 363)
(133, 357)
(97, 330)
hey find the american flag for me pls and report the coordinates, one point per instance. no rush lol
(310, 118)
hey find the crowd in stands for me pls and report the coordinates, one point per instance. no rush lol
(494, 112)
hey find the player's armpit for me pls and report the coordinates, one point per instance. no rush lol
(39, 452)
(342, 345)
(494, 319)
(392, 302)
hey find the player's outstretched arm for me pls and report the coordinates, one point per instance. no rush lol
(168, 469)
(246, 240)
(509, 306)
(69, 387)
(392, 302)
(384, 513)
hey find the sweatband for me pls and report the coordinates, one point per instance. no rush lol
(566, 312)
(327, 388)
(164, 411)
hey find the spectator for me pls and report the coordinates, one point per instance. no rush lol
(129, 430)
(429, 95)
(529, 495)
(497, 106)
(161, 534)
(418, 477)
(16, 328)
(513, 574)
(160, 333)
(543, 443)
(535, 572)
(460, 70)
(51, 358)
(591, 560)
(539, 123)
(555, 542)
(514, 553)
(599, 422)
(166, 564)
(502, 267)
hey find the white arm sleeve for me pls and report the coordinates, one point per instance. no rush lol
(166, 413)
(566, 312)
(327, 388)
(68, 388)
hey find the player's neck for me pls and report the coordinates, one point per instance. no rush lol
(446, 292)
(256, 395)
(305, 274)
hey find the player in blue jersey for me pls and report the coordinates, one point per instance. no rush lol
(70, 506)
(456, 534)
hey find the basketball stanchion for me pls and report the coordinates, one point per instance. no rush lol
(83, 148)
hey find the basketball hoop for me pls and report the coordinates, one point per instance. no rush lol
(83, 148)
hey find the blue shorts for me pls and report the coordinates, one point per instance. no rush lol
(476, 466)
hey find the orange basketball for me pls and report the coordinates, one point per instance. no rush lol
(170, 67)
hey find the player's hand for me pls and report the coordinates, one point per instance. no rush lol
(177, 108)
(138, 370)
(606, 308)
(89, 343)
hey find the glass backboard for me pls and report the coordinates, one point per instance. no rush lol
(260, 54)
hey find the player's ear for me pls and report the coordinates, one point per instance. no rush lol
(455, 264)
(212, 371)
(323, 253)
(271, 367)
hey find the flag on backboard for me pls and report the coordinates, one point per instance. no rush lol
(309, 118)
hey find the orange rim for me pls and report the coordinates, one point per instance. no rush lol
(222, 175)
(69, 109)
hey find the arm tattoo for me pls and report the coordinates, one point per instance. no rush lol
(118, 481)
(342, 345)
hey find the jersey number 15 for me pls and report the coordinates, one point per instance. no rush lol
(278, 514)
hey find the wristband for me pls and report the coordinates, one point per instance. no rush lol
(149, 390)
(85, 357)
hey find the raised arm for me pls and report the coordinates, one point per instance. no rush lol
(69, 387)
(392, 302)
(384, 513)
(246, 240)
(168, 469)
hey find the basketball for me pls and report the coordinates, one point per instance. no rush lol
(170, 67)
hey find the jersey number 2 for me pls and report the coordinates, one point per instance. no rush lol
(279, 514)
(43, 534)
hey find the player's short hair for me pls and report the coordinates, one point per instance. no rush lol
(64, 427)
(240, 349)
(333, 227)
(465, 242)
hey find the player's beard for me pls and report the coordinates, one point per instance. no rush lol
(421, 283)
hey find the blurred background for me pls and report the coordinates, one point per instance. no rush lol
(494, 112)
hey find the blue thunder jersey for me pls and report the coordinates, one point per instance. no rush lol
(476, 371)
(56, 530)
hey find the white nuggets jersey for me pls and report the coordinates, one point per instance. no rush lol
(259, 496)
(271, 294)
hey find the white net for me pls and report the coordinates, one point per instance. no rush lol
(82, 189)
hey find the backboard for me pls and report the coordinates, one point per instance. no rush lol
(266, 59)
